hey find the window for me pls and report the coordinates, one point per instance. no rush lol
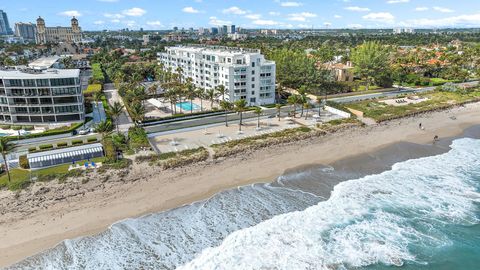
(28, 82)
(253, 85)
(253, 100)
(15, 82)
(253, 64)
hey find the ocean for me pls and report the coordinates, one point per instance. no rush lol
(420, 213)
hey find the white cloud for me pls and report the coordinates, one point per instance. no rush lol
(274, 13)
(100, 22)
(234, 10)
(134, 12)
(397, 1)
(115, 21)
(265, 22)
(70, 13)
(108, 1)
(421, 8)
(337, 16)
(303, 26)
(358, 9)
(190, 10)
(443, 10)
(385, 17)
(301, 17)
(253, 16)
(215, 21)
(155, 23)
(471, 20)
(291, 4)
(113, 15)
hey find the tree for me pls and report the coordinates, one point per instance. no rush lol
(221, 91)
(115, 111)
(200, 93)
(307, 106)
(258, 111)
(137, 112)
(240, 107)
(104, 128)
(279, 109)
(211, 95)
(190, 93)
(97, 97)
(226, 106)
(293, 100)
(302, 99)
(319, 102)
(5, 148)
(370, 60)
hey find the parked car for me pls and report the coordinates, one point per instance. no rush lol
(84, 131)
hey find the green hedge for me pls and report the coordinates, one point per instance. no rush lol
(77, 142)
(5, 126)
(92, 89)
(23, 162)
(92, 139)
(137, 138)
(16, 127)
(62, 144)
(97, 74)
(28, 128)
(45, 146)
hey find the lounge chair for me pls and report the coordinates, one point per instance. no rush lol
(86, 165)
(93, 164)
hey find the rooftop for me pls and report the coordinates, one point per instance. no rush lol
(44, 62)
(215, 49)
(30, 73)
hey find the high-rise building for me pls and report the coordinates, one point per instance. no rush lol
(224, 30)
(45, 34)
(214, 31)
(245, 73)
(4, 25)
(231, 29)
(26, 30)
(40, 96)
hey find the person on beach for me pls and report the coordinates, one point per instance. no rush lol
(420, 126)
(435, 139)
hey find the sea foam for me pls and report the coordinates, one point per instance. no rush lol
(376, 219)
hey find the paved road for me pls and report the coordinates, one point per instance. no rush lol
(124, 120)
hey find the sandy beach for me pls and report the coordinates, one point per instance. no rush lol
(35, 219)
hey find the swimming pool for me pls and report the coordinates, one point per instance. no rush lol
(186, 106)
(4, 134)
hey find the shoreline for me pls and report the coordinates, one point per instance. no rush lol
(149, 192)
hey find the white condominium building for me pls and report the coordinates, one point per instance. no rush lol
(40, 96)
(244, 72)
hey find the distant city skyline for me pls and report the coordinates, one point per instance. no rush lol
(278, 14)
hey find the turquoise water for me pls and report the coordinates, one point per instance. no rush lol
(186, 106)
(4, 134)
(422, 214)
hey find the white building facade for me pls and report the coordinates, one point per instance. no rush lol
(40, 96)
(245, 73)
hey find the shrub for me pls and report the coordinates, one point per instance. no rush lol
(62, 144)
(5, 126)
(45, 146)
(137, 138)
(110, 151)
(16, 127)
(92, 89)
(77, 142)
(32, 149)
(28, 128)
(97, 74)
(92, 139)
(23, 162)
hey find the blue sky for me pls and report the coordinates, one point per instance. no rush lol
(164, 14)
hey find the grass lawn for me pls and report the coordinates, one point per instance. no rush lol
(380, 111)
(362, 88)
(21, 177)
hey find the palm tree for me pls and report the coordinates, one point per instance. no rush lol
(5, 148)
(279, 109)
(240, 107)
(319, 102)
(104, 128)
(221, 91)
(302, 99)
(307, 106)
(115, 111)
(258, 111)
(211, 95)
(137, 112)
(97, 97)
(190, 93)
(226, 106)
(293, 100)
(152, 89)
(201, 95)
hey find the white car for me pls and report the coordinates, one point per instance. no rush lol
(83, 131)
